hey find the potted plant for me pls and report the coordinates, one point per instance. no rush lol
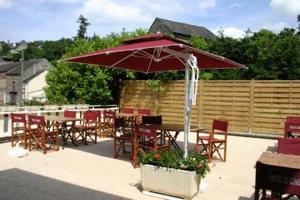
(166, 172)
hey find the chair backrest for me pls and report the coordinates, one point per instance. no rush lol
(90, 116)
(156, 120)
(119, 122)
(145, 130)
(289, 146)
(18, 118)
(219, 126)
(292, 124)
(71, 114)
(144, 111)
(127, 110)
(109, 114)
(98, 113)
(36, 120)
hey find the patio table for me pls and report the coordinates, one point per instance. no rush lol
(66, 132)
(279, 173)
(168, 128)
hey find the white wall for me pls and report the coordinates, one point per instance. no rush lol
(34, 88)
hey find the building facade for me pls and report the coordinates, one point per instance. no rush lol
(34, 74)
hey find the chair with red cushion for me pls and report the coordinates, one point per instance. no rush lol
(41, 136)
(107, 126)
(88, 129)
(122, 139)
(146, 138)
(215, 141)
(18, 129)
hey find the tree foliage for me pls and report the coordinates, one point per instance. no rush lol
(82, 29)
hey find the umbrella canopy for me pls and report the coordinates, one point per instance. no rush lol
(154, 53)
(158, 53)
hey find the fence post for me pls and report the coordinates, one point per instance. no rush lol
(251, 106)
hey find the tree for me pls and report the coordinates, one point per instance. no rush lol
(82, 29)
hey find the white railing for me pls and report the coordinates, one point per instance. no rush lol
(5, 123)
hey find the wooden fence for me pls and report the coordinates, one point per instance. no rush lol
(253, 106)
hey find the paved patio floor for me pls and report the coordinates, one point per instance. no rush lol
(90, 172)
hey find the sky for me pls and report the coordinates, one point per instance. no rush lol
(32, 20)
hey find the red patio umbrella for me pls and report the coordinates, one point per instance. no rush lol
(159, 53)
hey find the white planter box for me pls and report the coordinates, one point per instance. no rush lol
(173, 182)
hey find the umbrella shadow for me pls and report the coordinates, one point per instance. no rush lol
(103, 147)
(23, 185)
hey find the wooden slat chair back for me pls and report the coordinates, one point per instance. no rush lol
(146, 138)
(18, 129)
(291, 126)
(107, 126)
(42, 137)
(215, 141)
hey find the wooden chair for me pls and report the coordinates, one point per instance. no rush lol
(107, 126)
(42, 137)
(215, 141)
(99, 119)
(88, 128)
(18, 129)
(122, 139)
(146, 138)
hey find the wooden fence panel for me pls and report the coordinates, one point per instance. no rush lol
(249, 106)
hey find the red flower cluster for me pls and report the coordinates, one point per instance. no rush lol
(156, 156)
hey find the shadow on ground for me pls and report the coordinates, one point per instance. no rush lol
(22, 185)
(104, 147)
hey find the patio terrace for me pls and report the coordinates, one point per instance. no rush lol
(90, 172)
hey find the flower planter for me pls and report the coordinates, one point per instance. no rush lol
(173, 182)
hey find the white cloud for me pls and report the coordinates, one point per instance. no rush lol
(5, 3)
(111, 10)
(286, 7)
(205, 4)
(231, 32)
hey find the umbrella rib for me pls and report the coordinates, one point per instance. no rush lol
(116, 63)
(150, 62)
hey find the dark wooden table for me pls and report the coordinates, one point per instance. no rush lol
(279, 173)
(168, 128)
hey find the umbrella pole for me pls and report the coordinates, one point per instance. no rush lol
(187, 110)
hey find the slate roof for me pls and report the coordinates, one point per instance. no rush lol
(178, 28)
(15, 68)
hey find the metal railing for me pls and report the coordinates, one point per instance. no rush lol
(5, 124)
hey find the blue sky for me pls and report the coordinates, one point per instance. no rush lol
(53, 19)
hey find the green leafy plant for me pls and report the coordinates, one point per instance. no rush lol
(173, 159)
